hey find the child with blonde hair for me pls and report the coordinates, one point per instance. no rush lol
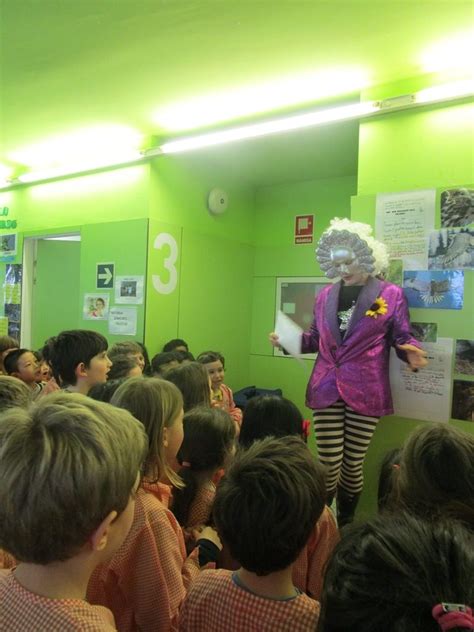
(146, 581)
(69, 469)
(13, 392)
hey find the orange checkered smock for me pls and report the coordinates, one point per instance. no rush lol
(308, 569)
(201, 507)
(146, 580)
(24, 611)
(225, 399)
(215, 603)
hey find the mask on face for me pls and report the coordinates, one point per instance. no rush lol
(341, 253)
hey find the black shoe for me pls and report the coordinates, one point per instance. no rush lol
(346, 506)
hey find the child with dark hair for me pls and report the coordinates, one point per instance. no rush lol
(69, 470)
(22, 364)
(398, 573)
(193, 382)
(7, 343)
(146, 359)
(270, 415)
(124, 366)
(222, 396)
(13, 393)
(163, 362)
(265, 509)
(184, 357)
(104, 391)
(78, 359)
(209, 441)
(436, 474)
(177, 344)
(388, 471)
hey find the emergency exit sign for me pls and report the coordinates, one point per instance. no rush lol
(304, 229)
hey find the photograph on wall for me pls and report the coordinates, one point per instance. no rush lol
(463, 400)
(8, 247)
(425, 332)
(426, 393)
(96, 307)
(434, 289)
(464, 362)
(402, 221)
(3, 326)
(451, 248)
(394, 272)
(295, 297)
(457, 207)
(123, 321)
(129, 289)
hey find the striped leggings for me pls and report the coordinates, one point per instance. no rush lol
(343, 436)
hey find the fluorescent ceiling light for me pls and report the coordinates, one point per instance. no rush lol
(89, 165)
(101, 143)
(269, 127)
(455, 90)
(266, 96)
(453, 53)
(62, 238)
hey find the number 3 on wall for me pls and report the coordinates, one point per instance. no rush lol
(165, 239)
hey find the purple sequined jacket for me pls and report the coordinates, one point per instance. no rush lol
(356, 369)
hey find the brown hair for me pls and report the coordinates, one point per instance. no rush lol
(7, 343)
(13, 392)
(268, 503)
(192, 380)
(65, 464)
(156, 404)
(436, 474)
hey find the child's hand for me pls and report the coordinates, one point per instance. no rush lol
(50, 387)
(274, 340)
(208, 533)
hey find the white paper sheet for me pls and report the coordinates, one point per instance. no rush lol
(425, 394)
(123, 321)
(402, 223)
(289, 334)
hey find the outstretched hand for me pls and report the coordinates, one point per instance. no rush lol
(416, 357)
(274, 340)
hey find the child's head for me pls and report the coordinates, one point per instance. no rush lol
(209, 440)
(184, 357)
(389, 573)
(22, 364)
(13, 393)
(68, 466)
(104, 391)
(163, 362)
(388, 472)
(437, 472)
(193, 382)
(78, 355)
(124, 366)
(267, 504)
(158, 405)
(129, 348)
(177, 344)
(215, 365)
(7, 343)
(270, 415)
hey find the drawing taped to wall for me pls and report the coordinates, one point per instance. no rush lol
(96, 306)
(129, 289)
(463, 400)
(438, 289)
(464, 362)
(451, 248)
(457, 207)
(425, 332)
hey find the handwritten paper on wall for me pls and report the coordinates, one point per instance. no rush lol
(402, 223)
(425, 394)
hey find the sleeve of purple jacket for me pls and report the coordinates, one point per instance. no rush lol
(401, 329)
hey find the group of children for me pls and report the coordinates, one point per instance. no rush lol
(153, 505)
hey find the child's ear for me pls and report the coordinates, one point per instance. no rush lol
(80, 370)
(98, 539)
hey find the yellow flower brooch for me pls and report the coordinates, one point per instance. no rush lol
(379, 306)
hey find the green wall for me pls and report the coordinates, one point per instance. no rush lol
(56, 289)
(426, 148)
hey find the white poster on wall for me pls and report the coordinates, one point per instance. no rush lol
(123, 321)
(403, 221)
(129, 289)
(426, 393)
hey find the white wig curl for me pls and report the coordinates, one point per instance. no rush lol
(364, 231)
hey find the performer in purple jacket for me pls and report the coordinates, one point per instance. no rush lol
(356, 321)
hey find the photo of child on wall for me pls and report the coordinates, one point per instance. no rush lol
(96, 306)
